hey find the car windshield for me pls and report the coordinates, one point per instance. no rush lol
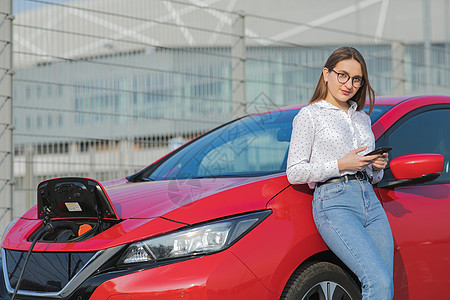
(252, 146)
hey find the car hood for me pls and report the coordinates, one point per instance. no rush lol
(192, 200)
(153, 208)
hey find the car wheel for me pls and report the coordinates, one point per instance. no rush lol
(321, 281)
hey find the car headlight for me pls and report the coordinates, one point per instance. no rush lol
(197, 240)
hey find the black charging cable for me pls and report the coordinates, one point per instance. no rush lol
(47, 228)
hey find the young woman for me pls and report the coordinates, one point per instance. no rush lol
(330, 137)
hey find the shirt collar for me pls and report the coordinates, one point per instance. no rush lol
(326, 104)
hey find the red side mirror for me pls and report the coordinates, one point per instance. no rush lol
(414, 166)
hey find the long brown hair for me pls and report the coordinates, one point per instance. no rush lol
(338, 55)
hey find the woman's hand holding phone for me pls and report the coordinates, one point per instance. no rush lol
(354, 162)
(380, 150)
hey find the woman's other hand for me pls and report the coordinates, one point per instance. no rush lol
(380, 162)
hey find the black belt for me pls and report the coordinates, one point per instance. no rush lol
(357, 176)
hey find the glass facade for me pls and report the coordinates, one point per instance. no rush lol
(137, 89)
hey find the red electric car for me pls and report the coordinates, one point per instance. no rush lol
(217, 219)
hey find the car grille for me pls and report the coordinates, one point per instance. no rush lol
(45, 271)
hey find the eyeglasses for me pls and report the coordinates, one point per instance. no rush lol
(342, 78)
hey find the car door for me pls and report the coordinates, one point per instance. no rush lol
(419, 214)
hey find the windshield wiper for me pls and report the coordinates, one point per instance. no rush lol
(139, 179)
(145, 179)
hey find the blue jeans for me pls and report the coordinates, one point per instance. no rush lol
(353, 224)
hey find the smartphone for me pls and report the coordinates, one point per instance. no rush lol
(380, 150)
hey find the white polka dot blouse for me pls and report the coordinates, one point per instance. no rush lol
(323, 133)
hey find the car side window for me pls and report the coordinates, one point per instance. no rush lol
(425, 132)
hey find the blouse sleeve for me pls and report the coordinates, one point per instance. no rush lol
(375, 176)
(299, 167)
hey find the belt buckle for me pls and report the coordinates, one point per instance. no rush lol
(360, 175)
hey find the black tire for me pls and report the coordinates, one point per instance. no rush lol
(321, 281)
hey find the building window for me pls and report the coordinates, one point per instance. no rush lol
(28, 92)
(60, 120)
(39, 122)
(38, 92)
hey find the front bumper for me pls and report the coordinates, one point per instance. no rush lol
(38, 278)
(217, 276)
